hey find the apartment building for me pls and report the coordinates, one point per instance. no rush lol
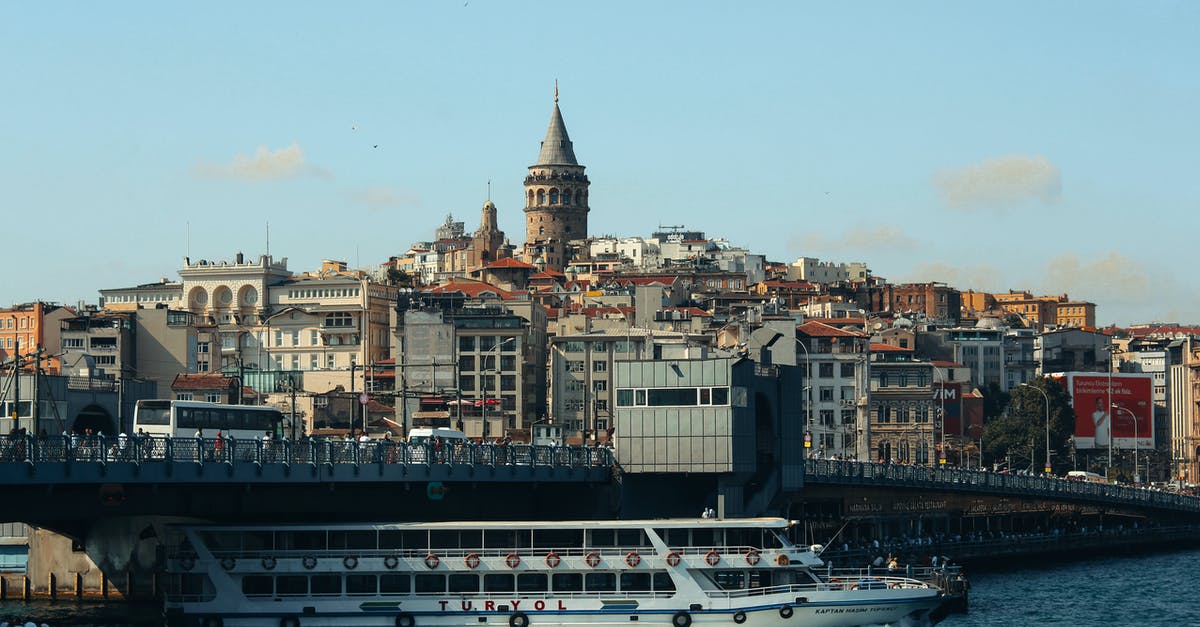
(26, 327)
(835, 365)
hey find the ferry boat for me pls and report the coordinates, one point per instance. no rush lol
(677, 572)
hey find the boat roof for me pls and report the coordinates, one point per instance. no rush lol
(660, 523)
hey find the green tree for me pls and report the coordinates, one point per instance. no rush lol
(399, 277)
(1020, 432)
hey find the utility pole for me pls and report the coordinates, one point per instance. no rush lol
(292, 385)
(16, 411)
(353, 401)
(37, 372)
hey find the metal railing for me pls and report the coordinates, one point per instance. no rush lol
(146, 449)
(949, 478)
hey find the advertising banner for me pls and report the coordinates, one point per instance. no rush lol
(1114, 410)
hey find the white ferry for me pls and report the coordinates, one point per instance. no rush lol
(659, 572)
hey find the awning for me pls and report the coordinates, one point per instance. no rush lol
(433, 400)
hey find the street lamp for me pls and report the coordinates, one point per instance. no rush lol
(807, 388)
(485, 370)
(1047, 397)
(1135, 438)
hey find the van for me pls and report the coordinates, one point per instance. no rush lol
(423, 435)
(1082, 475)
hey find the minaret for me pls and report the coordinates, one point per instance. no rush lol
(556, 198)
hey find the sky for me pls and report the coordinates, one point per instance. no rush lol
(1040, 146)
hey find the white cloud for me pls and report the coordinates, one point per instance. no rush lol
(264, 164)
(980, 277)
(1000, 182)
(379, 198)
(862, 238)
(1111, 279)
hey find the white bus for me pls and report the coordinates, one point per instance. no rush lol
(183, 418)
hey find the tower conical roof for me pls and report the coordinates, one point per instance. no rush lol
(556, 148)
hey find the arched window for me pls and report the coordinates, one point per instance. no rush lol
(566, 197)
(554, 196)
(541, 197)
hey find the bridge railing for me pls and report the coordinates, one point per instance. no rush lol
(966, 480)
(157, 449)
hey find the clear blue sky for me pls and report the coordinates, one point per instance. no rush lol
(1010, 145)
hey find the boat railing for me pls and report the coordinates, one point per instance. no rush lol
(451, 553)
(833, 585)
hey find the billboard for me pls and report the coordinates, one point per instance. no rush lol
(1111, 410)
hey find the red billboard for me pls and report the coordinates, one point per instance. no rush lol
(1111, 410)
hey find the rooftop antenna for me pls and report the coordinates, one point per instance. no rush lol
(489, 190)
(268, 239)
(187, 247)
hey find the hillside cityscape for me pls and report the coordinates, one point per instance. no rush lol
(467, 330)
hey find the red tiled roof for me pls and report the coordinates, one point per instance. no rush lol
(858, 321)
(946, 364)
(468, 288)
(880, 347)
(510, 263)
(694, 311)
(545, 275)
(820, 329)
(202, 382)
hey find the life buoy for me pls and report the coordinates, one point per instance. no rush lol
(553, 560)
(673, 559)
(711, 558)
(268, 563)
(471, 560)
(228, 563)
(187, 563)
(310, 562)
(592, 559)
(633, 559)
(739, 617)
(432, 561)
(512, 560)
(405, 620)
(289, 621)
(518, 619)
(782, 560)
(752, 557)
(681, 619)
(391, 562)
(350, 562)
(785, 611)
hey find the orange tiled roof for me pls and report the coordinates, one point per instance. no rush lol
(202, 382)
(820, 329)
(880, 347)
(468, 288)
(510, 263)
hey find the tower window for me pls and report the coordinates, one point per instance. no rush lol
(554, 196)
(541, 197)
(566, 197)
(541, 230)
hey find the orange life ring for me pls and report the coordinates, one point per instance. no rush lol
(592, 559)
(711, 558)
(783, 560)
(633, 559)
(512, 560)
(552, 559)
(752, 557)
(432, 561)
(673, 559)
(472, 560)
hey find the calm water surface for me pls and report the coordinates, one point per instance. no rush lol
(1153, 589)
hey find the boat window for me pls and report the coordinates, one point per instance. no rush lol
(391, 539)
(506, 539)
(499, 583)
(532, 582)
(362, 584)
(727, 579)
(257, 585)
(443, 540)
(464, 583)
(557, 538)
(393, 584)
(705, 537)
(218, 541)
(760, 579)
(663, 582)
(600, 582)
(470, 538)
(300, 541)
(567, 582)
(631, 537)
(675, 537)
(742, 537)
(257, 541)
(199, 586)
(352, 540)
(424, 584)
(601, 537)
(635, 582)
(291, 585)
(326, 584)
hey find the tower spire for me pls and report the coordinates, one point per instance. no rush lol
(556, 91)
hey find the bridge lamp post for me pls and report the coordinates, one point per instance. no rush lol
(807, 389)
(1135, 438)
(1047, 397)
(496, 371)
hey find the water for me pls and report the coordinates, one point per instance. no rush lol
(1153, 589)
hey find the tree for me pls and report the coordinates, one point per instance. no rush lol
(399, 277)
(1021, 431)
